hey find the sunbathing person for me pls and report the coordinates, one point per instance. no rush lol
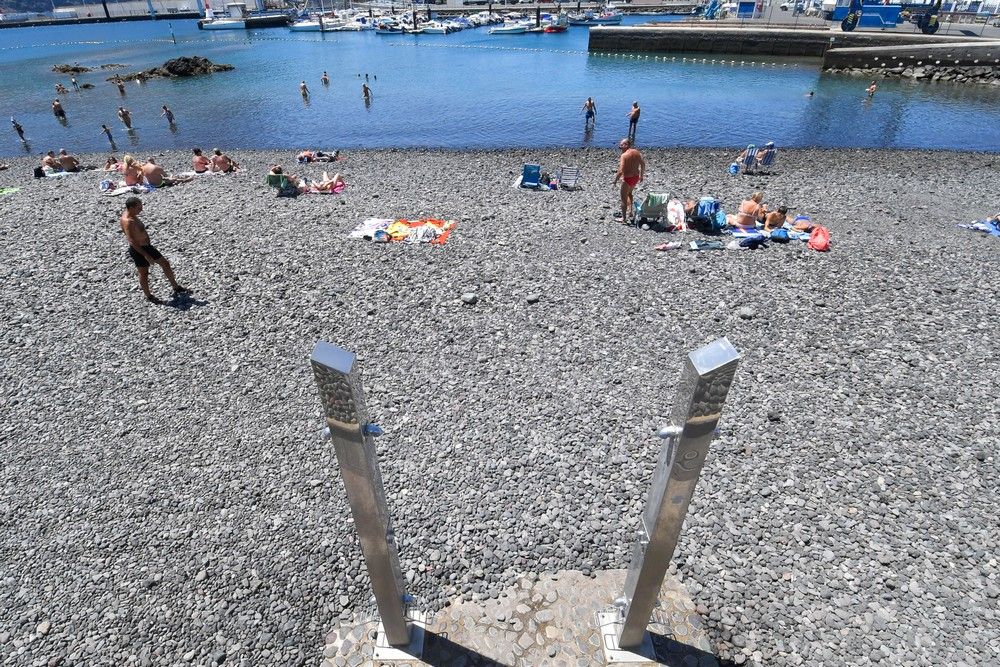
(328, 184)
(750, 211)
(765, 153)
(51, 161)
(316, 156)
(112, 164)
(222, 163)
(158, 178)
(68, 162)
(776, 219)
(199, 161)
(743, 156)
(132, 170)
(276, 170)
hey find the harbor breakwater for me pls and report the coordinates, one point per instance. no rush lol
(934, 57)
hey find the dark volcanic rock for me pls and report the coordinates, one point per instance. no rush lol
(179, 67)
(113, 66)
(70, 69)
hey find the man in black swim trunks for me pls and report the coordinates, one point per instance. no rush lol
(142, 252)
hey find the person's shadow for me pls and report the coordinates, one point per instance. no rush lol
(173, 128)
(184, 301)
(588, 134)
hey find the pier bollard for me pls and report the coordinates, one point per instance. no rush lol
(705, 381)
(343, 398)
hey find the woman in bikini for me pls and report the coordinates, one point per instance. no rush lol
(750, 211)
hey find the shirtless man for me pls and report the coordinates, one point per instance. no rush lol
(872, 87)
(304, 89)
(142, 252)
(633, 120)
(366, 92)
(121, 85)
(631, 169)
(325, 79)
(158, 178)
(68, 162)
(200, 163)
(51, 161)
(125, 117)
(58, 111)
(223, 163)
(590, 110)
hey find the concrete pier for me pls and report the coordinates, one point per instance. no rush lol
(836, 48)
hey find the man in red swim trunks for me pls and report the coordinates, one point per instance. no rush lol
(631, 169)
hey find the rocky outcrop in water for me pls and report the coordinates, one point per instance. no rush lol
(980, 75)
(70, 69)
(178, 67)
(113, 66)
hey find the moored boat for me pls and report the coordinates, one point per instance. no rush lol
(509, 29)
(590, 18)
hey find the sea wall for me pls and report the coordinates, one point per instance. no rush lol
(957, 54)
(764, 41)
(982, 75)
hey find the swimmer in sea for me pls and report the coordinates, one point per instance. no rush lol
(366, 92)
(304, 89)
(325, 78)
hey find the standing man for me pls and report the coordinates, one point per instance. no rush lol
(107, 132)
(633, 120)
(169, 114)
(125, 117)
(142, 252)
(17, 128)
(120, 84)
(72, 80)
(871, 89)
(366, 92)
(631, 169)
(590, 111)
(58, 111)
(325, 79)
(304, 89)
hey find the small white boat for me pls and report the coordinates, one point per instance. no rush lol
(327, 24)
(509, 29)
(434, 28)
(224, 24)
(590, 18)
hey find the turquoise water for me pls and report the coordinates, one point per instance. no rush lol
(467, 89)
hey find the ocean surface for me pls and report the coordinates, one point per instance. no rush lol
(464, 90)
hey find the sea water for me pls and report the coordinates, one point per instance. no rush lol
(464, 90)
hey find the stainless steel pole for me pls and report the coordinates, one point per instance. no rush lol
(339, 382)
(705, 381)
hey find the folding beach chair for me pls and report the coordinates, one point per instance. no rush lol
(652, 209)
(749, 161)
(766, 156)
(569, 178)
(285, 188)
(531, 176)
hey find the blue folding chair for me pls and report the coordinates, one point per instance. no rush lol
(531, 177)
(766, 156)
(749, 161)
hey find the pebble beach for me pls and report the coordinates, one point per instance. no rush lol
(166, 497)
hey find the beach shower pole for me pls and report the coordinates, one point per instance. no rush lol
(338, 380)
(708, 373)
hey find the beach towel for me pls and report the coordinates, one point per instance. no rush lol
(676, 216)
(8, 191)
(425, 230)
(991, 227)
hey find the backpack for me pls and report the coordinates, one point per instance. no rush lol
(707, 207)
(779, 236)
(819, 240)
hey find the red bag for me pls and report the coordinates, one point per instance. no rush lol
(819, 240)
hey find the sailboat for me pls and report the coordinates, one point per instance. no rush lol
(319, 23)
